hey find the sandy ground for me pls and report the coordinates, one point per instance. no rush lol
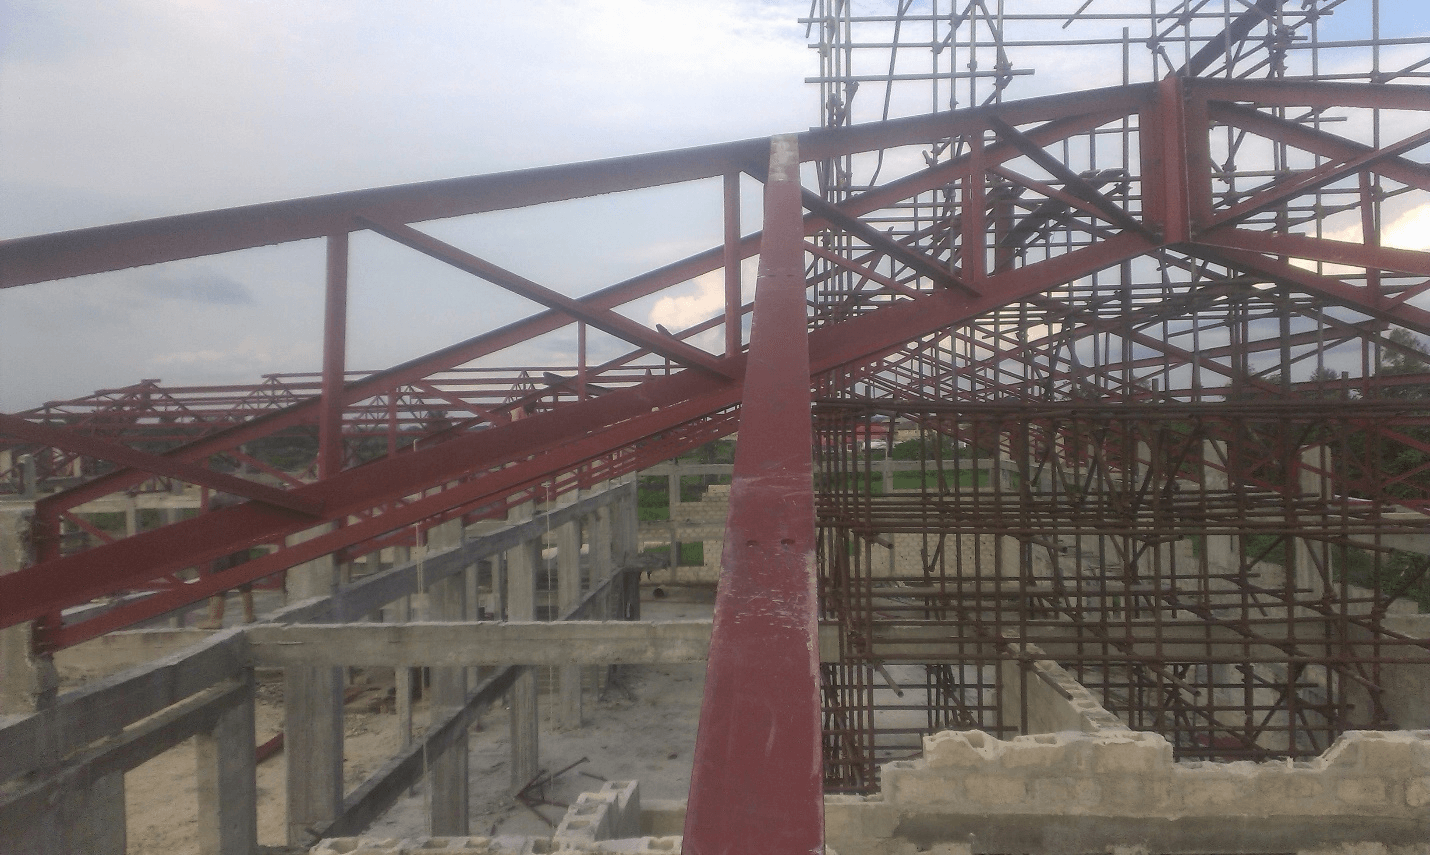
(641, 727)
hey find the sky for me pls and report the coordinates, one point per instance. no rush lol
(126, 109)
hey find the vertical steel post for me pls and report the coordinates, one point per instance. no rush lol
(335, 329)
(732, 263)
(756, 783)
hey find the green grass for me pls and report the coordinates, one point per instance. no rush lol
(1358, 567)
(691, 554)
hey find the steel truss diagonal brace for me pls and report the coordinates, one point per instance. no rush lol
(602, 319)
(91, 446)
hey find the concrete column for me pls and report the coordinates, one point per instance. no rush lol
(87, 818)
(312, 717)
(402, 678)
(600, 554)
(1221, 551)
(568, 594)
(227, 781)
(1315, 481)
(131, 516)
(673, 495)
(28, 681)
(448, 773)
(521, 565)
(97, 817)
(521, 606)
(1157, 558)
(29, 477)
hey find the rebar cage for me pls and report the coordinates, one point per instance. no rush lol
(1199, 488)
(1224, 574)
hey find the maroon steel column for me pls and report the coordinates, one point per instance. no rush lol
(335, 338)
(757, 782)
(733, 299)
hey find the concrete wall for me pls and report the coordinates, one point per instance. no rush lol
(1111, 788)
(1055, 701)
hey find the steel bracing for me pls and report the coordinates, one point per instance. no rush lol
(1154, 343)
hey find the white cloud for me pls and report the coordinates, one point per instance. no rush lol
(676, 312)
(1410, 230)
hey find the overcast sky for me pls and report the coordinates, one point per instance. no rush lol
(124, 109)
(113, 110)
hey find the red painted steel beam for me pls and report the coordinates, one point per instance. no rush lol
(1064, 115)
(1307, 93)
(757, 782)
(1262, 12)
(1072, 182)
(1314, 179)
(1382, 258)
(1334, 290)
(602, 319)
(41, 258)
(1320, 142)
(102, 449)
(734, 333)
(544, 444)
(335, 336)
(930, 268)
(889, 330)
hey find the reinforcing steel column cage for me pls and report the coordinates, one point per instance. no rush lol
(1218, 572)
(1196, 478)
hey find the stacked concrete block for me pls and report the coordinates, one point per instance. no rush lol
(612, 813)
(506, 845)
(410, 845)
(1055, 701)
(989, 555)
(702, 521)
(1132, 774)
(1369, 786)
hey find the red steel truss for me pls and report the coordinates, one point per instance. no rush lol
(1212, 238)
(1171, 219)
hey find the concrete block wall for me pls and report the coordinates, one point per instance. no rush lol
(504, 845)
(1056, 702)
(612, 813)
(703, 522)
(987, 554)
(1369, 786)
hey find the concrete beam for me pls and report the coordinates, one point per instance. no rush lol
(447, 775)
(443, 645)
(40, 816)
(107, 706)
(568, 584)
(28, 680)
(312, 718)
